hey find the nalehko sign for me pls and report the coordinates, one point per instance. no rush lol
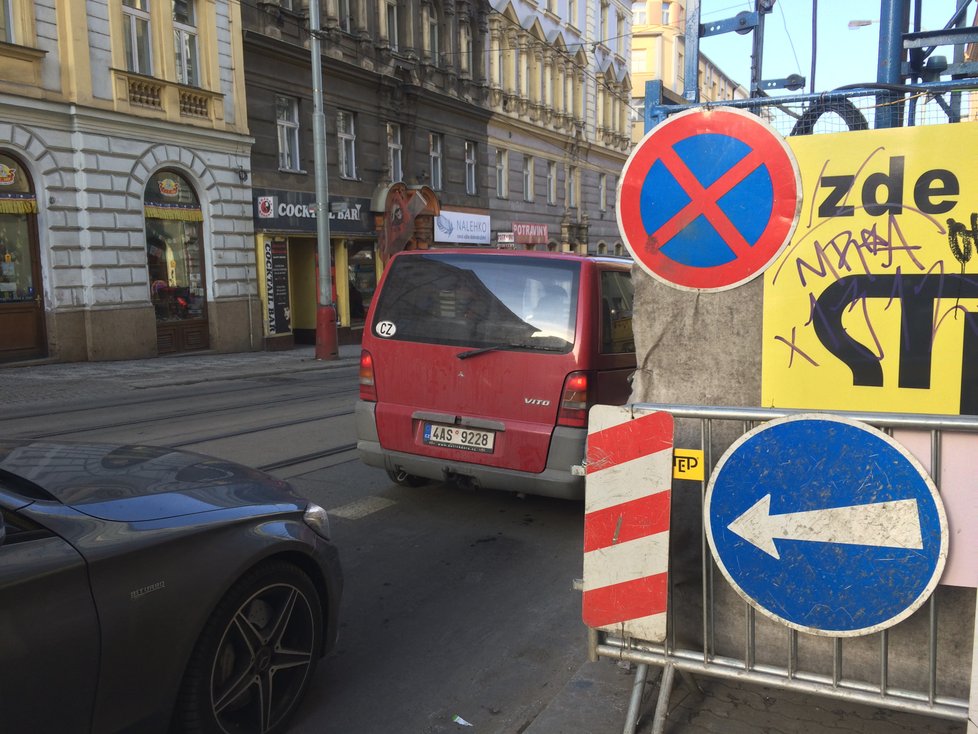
(826, 524)
(708, 199)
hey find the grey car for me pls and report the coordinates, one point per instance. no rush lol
(146, 589)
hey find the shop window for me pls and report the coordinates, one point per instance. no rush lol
(363, 278)
(18, 206)
(174, 248)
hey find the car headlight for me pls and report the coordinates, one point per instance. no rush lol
(316, 518)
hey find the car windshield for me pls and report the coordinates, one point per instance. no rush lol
(480, 300)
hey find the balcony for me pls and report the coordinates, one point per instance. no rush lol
(147, 96)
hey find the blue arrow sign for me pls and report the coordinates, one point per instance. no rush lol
(826, 525)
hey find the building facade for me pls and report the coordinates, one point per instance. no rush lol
(405, 129)
(658, 53)
(559, 90)
(125, 222)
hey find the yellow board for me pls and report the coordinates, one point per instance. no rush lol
(687, 464)
(873, 305)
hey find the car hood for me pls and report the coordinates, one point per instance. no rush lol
(132, 483)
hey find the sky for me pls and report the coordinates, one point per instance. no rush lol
(844, 56)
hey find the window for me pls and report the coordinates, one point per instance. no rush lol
(528, 178)
(185, 42)
(174, 248)
(19, 264)
(346, 17)
(551, 182)
(135, 16)
(502, 174)
(394, 150)
(639, 63)
(465, 48)
(571, 196)
(665, 12)
(432, 40)
(617, 297)
(604, 26)
(287, 115)
(603, 192)
(639, 13)
(392, 24)
(7, 21)
(346, 132)
(619, 29)
(470, 163)
(435, 144)
(572, 12)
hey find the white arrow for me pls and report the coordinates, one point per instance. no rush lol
(894, 524)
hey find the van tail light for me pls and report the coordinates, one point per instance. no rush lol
(368, 390)
(574, 402)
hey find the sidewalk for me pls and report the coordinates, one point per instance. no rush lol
(36, 382)
(595, 701)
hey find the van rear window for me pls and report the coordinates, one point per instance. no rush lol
(480, 300)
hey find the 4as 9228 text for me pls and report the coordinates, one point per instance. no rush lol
(470, 439)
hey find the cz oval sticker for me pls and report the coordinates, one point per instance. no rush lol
(386, 329)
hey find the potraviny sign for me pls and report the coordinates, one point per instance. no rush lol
(826, 525)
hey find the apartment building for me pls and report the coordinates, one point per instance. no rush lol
(125, 227)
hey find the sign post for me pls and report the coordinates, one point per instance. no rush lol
(826, 525)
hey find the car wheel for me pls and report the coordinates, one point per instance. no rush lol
(255, 656)
(402, 478)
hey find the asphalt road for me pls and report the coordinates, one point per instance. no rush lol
(458, 604)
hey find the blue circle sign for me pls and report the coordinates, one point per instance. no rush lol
(826, 524)
(708, 199)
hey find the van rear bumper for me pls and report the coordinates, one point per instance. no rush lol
(566, 450)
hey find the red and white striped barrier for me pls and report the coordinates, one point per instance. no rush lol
(628, 488)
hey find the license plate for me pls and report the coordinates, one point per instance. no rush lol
(456, 437)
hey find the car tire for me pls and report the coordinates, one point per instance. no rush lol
(264, 635)
(403, 479)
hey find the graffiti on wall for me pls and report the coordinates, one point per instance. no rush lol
(874, 303)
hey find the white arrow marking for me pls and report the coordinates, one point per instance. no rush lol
(894, 524)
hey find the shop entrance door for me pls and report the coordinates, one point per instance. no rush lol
(22, 330)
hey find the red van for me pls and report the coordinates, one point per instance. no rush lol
(479, 366)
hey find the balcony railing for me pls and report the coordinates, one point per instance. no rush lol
(140, 94)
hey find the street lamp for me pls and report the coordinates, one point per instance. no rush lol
(860, 23)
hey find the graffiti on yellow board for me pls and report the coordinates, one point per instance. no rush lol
(874, 303)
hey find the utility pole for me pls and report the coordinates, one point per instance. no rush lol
(326, 337)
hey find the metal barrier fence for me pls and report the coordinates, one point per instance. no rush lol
(917, 666)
